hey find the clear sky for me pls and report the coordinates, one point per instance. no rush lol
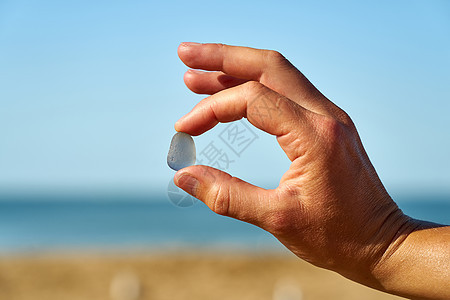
(90, 90)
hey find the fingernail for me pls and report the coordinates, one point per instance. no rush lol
(193, 71)
(186, 182)
(189, 44)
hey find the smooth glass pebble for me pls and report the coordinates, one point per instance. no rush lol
(182, 151)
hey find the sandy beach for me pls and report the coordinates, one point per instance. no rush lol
(161, 276)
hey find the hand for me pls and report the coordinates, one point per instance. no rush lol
(330, 207)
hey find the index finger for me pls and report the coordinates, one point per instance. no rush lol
(264, 108)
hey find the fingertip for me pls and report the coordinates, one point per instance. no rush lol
(197, 82)
(189, 75)
(188, 78)
(182, 48)
(178, 126)
(186, 181)
(185, 48)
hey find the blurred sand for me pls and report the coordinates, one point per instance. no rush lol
(172, 276)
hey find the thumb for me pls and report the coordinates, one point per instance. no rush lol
(224, 194)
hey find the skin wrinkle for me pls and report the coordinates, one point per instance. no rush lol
(379, 242)
(249, 93)
(257, 99)
(222, 62)
(376, 215)
(292, 136)
(271, 213)
(259, 211)
(267, 62)
(240, 205)
(393, 246)
(218, 200)
(293, 176)
(397, 241)
(290, 143)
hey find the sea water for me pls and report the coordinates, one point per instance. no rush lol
(50, 223)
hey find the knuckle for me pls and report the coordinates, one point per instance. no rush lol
(345, 119)
(277, 221)
(221, 48)
(330, 129)
(288, 213)
(253, 88)
(274, 57)
(254, 92)
(278, 218)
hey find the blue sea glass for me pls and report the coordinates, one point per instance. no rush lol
(181, 152)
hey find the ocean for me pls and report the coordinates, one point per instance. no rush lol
(30, 224)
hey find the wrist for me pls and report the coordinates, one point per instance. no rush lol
(370, 262)
(407, 266)
(385, 263)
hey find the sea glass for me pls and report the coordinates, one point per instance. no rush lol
(181, 152)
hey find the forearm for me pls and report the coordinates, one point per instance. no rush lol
(417, 264)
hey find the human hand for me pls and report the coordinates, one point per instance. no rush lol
(330, 207)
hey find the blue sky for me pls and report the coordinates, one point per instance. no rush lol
(89, 92)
